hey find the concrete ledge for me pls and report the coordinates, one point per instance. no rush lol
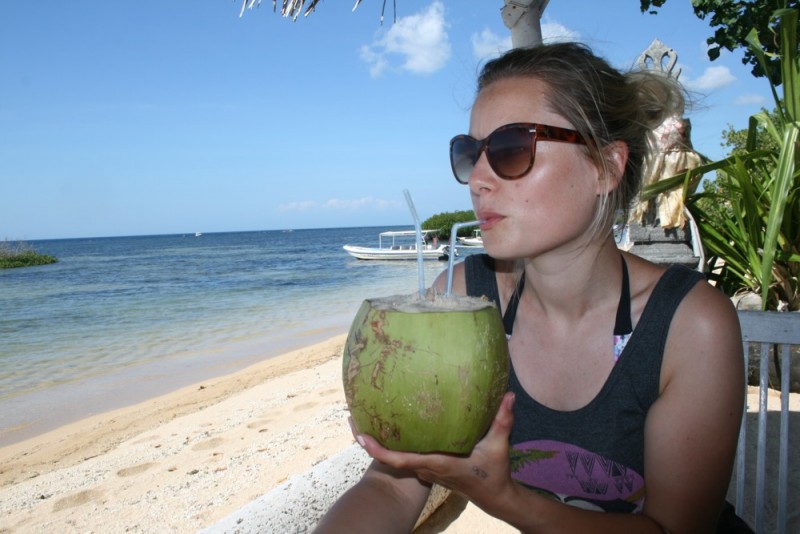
(297, 505)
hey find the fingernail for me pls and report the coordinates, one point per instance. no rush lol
(360, 440)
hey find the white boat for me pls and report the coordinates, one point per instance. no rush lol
(475, 241)
(401, 245)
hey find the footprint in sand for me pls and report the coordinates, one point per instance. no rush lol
(208, 444)
(144, 440)
(328, 392)
(260, 424)
(305, 406)
(78, 499)
(135, 470)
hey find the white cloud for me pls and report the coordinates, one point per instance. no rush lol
(338, 204)
(553, 32)
(487, 44)
(303, 205)
(751, 100)
(376, 60)
(711, 79)
(360, 203)
(420, 41)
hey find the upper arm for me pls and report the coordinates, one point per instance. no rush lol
(691, 430)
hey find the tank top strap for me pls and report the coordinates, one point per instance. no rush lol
(622, 325)
(511, 311)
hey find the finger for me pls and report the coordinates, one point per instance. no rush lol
(396, 459)
(410, 461)
(356, 435)
(504, 419)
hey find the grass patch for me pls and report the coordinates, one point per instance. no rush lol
(21, 254)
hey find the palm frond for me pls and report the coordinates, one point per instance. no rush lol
(293, 8)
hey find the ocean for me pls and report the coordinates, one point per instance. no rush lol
(119, 320)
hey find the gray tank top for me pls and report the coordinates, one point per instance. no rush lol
(593, 457)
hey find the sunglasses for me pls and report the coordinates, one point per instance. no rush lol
(510, 149)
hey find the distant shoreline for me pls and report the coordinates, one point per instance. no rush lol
(211, 233)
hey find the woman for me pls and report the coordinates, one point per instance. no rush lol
(627, 387)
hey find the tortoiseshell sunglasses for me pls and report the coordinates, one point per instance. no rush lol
(510, 149)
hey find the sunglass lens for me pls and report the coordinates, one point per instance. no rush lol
(463, 152)
(510, 152)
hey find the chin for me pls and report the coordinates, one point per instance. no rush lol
(500, 253)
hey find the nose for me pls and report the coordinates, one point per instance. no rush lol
(483, 177)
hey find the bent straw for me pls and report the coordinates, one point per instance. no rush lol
(451, 258)
(418, 228)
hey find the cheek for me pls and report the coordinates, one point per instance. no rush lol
(566, 200)
(560, 192)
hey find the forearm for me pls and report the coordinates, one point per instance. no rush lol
(531, 513)
(377, 504)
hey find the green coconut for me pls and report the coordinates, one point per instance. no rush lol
(425, 375)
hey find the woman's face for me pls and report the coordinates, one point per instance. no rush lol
(551, 208)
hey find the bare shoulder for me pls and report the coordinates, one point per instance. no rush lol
(704, 340)
(706, 322)
(459, 280)
(705, 317)
(703, 359)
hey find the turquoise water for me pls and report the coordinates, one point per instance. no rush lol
(118, 320)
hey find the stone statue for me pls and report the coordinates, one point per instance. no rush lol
(674, 153)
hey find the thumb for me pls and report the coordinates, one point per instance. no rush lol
(504, 419)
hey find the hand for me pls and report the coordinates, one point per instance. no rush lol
(481, 476)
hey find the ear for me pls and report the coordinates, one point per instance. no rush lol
(616, 158)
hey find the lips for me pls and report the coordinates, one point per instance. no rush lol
(489, 220)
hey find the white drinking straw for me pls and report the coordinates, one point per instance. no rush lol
(418, 228)
(450, 259)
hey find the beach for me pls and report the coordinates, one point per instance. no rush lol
(183, 461)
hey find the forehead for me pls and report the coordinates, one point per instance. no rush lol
(518, 99)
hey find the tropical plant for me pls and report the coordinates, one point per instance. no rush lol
(756, 248)
(736, 142)
(734, 20)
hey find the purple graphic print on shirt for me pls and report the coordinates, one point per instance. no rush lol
(578, 477)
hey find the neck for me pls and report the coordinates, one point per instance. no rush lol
(573, 285)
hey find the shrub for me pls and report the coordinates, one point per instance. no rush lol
(444, 222)
(20, 254)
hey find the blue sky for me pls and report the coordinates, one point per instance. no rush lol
(154, 117)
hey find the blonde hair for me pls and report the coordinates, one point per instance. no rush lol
(603, 104)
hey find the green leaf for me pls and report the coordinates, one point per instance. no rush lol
(790, 70)
(780, 191)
